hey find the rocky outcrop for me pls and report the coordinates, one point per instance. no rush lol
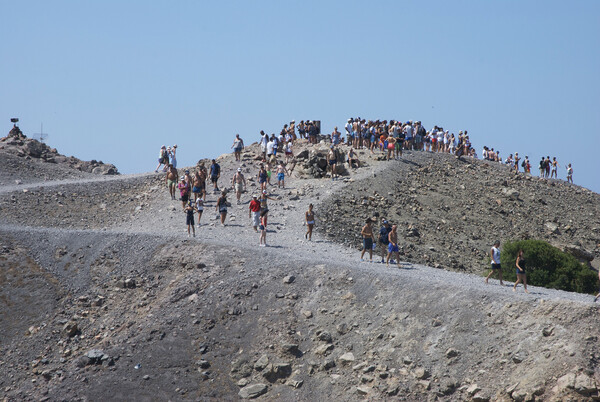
(18, 144)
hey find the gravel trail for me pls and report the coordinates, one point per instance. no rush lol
(164, 219)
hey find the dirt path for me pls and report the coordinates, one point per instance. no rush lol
(164, 218)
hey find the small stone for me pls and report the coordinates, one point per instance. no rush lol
(421, 373)
(261, 363)
(291, 348)
(517, 359)
(347, 358)
(327, 364)
(71, 329)
(307, 314)
(451, 353)
(584, 384)
(547, 331)
(289, 279)
(565, 382)
(480, 397)
(369, 369)
(325, 336)
(203, 364)
(294, 383)
(252, 391)
(146, 377)
(362, 390)
(243, 382)
(473, 389)
(425, 384)
(323, 349)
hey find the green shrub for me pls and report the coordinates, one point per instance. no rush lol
(547, 266)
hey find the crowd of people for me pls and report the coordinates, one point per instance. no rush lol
(548, 168)
(392, 137)
(389, 138)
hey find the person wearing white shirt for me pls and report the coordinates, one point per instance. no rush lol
(495, 260)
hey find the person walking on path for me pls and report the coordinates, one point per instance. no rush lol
(262, 240)
(262, 177)
(238, 145)
(495, 258)
(222, 207)
(199, 208)
(393, 249)
(215, 173)
(309, 218)
(521, 275)
(263, 204)
(199, 185)
(384, 239)
(238, 182)
(254, 212)
(184, 191)
(163, 159)
(281, 172)
(189, 218)
(171, 180)
(367, 235)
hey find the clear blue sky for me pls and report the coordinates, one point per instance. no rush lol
(114, 80)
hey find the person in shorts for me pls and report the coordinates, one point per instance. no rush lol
(254, 212)
(262, 240)
(239, 184)
(184, 191)
(189, 217)
(495, 260)
(198, 186)
(215, 173)
(238, 145)
(171, 180)
(163, 159)
(281, 172)
(199, 208)
(309, 219)
(521, 275)
(393, 250)
(569, 174)
(221, 207)
(384, 239)
(367, 235)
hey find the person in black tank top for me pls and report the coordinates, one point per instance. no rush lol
(521, 276)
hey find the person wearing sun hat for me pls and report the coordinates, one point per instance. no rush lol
(184, 190)
(238, 183)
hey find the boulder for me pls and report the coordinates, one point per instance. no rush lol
(253, 391)
(578, 252)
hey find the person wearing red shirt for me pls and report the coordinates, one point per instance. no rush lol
(254, 212)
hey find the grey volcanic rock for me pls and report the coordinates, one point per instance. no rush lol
(16, 143)
(212, 317)
(449, 212)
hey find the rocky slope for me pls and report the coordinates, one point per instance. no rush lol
(450, 211)
(103, 296)
(27, 160)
